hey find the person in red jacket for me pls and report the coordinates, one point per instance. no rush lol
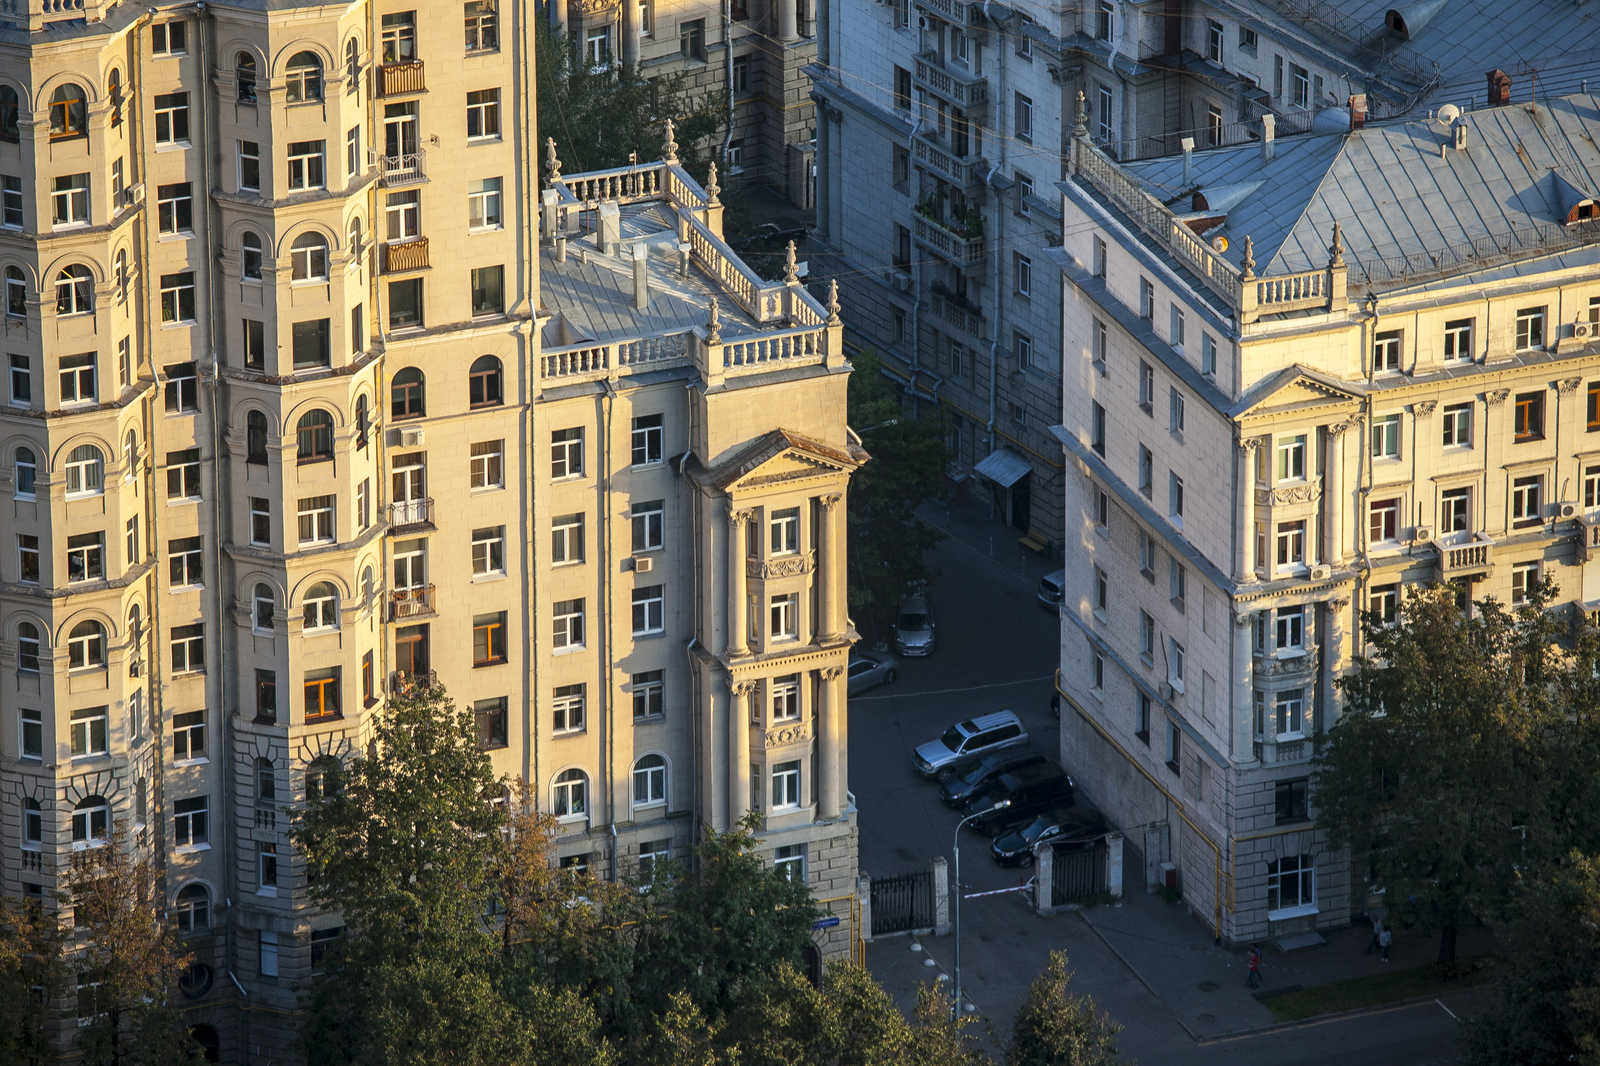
(1255, 966)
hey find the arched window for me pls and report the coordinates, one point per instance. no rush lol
(114, 94)
(86, 646)
(122, 277)
(314, 434)
(69, 112)
(9, 111)
(26, 472)
(210, 1044)
(264, 615)
(91, 820)
(650, 781)
(251, 244)
(255, 438)
(135, 647)
(483, 388)
(244, 75)
(366, 588)
(16, 291)
(304, 78)
(363, 421)
(28, 647)
(324, 777)
(85, 469)
(352, 61)
(406, 394)
(75, 290)
(309, 254)
(130, 455)
(355, 237)
(266, 781)
(571, 794)
(193, 909)
(321, 607)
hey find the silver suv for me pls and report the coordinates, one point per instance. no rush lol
(913, 629)
(964, 740)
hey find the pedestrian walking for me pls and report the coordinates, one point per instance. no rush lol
(1377, 933)
(1255, 966)
(1383, 942)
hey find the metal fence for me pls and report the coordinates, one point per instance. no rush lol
(1078, 873)
(902, 903)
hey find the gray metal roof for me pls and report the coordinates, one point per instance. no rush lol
(1395, 196)
(1004, 467)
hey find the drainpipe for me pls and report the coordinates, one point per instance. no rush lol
(727, 39)
(608, 651)
(999, 242)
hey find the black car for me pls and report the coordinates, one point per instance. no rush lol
(972, 779)
(1026, 794)
(1067, 825)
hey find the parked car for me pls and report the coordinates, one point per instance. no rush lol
(971, 779)
(976, 736)
(913, 629)
(1062, 825)
(869, 669)
(1026, 794)
(1052, 587)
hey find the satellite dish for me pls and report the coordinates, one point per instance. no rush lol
(1449, 113)
(1220, 244)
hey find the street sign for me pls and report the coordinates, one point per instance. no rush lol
(826, 923)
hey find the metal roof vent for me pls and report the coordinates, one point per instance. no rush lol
(1407, 21)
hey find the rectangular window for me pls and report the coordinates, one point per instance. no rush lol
(649, 615)
(1288, 714)
(1105, 123)
(785, 617)
(28, 572)
(566, 454)
(352, 151)
(1099, 258)
(21, 383)
(1147, 301)
(183, 474)
(568, 619)
(483, 114)
(1023, 113)
(1523, 576)
(169, 39)
(369, 683)
(1022, 274)
(1208, 355)
(1292, 458)
(1454, 515)
(568, 709)
(1247, 40)
(1141, 719)
(255, 344)
(89, 731)
(184, 564)
(1291, 629)
(1175, 496)
(1526, 496)
(32, 730)
(189, 736)
(491, 720)
(1147, 637)
(266, 868)
(311, 344)
(1591, 486)
(1458, 339)
(488, 639)
(1213, 125)
(487, 465)
(189, 822)
(267, 953)
(1102, 591)
(1528, 421)
(86, 557)
(1292, 543)
(1147, 468)
(647, 432)
(172, 118)
(266, 696)
(182, 389)
(647, 695)
(249, 166)
(648, 520)
(1385, 523)
(1302, 85)
(177, 297)
(1097, 427)
(364, 504)
(322, 694)
(786, 785)
(307, 168)
(1530, 328)
(315, 515)
(784, 531)
(488, 291)
(405, 304)
(70, 200)
(1457, 425)
(1174, 748)
(902, 88)
(1214, 41)
(1385, 602)
(489, 550)
(1386, 437)
(484, 209)
(188, 649)
(786, 698)
(566, 539)
(403, 216)
(1177, 582)
(11, 202)
(1289, 800)
(1386, 348)
(175, 208)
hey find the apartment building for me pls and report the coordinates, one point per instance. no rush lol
(756, 52)
(290, 425)
(1306, 377)
(944, 122)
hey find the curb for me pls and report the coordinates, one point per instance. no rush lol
(1316, 1019)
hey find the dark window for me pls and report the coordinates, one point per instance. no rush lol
(183, 388)
(68, 112)
(483, 385)
(1529, 424)
(1290, 797)
(266, 696)
(646, 439)
(692, 39)
(489, 639)
(314, 435)
(311, 344)
(255, 344)
(405, 304)
(488, 290)
(406, 394)
(490, 716)
(8, 113)
(256, 438)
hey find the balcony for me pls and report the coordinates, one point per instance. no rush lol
(959, 86)
(397, 78)
(266, 818)
(401, 683)
(404, 514)
(406, 169)
(1276, 752)
(407, 255)
(32, 861)
(415, 602)
(1469, 558)
(962, 171)
(943, 238)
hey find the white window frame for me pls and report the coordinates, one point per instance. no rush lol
(651, 781)
(1457, 425)
(488, 548)
(785, 617)
(567, 619)
(485, 202)
(649, 610)
(786, 786)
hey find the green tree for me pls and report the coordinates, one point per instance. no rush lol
(909, 461)
(1436, 775)
(1545, 1008)
(32, 969)
(1055, 1027)
(123, 963)
(598, 115)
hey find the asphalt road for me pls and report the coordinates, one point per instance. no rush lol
(998, 649)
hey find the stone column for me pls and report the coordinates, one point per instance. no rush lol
(558, 14)
(1333, 497)
(1570, 415)
(1489, 513)
(738, 749)
(830, 568)
(1333, 655)
(1114, 865)
(830, 788)
(1044, 878)
(1244, 570)
(1244, 691)
(629, 28)
(788, 20)
(736, 583)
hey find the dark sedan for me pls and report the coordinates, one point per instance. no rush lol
(1025, 793)
(971, 780)
(1071, 825)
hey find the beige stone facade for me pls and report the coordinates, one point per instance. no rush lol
(275, 449)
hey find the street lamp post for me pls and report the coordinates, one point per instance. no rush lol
(955, 1006)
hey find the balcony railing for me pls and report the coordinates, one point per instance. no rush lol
(966, 90)
(404, 513)
(963, 171)
(965, 252)
(266, 818)
(32, 861)
(395, 78)
(411, 603)
(401, 682)
(404, 169)
(406, 255)
(1475, 556)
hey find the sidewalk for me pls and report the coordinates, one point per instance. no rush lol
(970, 524)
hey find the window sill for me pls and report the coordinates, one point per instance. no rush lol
(367, 702)
(269, 891)
(174, 146)
(649, 634)
(497, 139)
(323, 719)
(1102, 616)
(569, 649)
(201, 761)
(650, 719)
(1291, 653)
(190, 849)
(1292, 912)
(488, 663)
(262, 719)
(61, 227)
(167, 238)
(178, 325)
(1174, 768)
(1528, 439)
(1287, 738)
(1526, 523)
(480, 578)
(1148, 659)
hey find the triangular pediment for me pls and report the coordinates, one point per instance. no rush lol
(1295, 388)
(779, 456)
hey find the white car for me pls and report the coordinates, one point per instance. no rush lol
(869, 669)
(963, 742)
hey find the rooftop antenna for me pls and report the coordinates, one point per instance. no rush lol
(1449, 113)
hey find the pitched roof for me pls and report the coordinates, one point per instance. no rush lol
(772, 444)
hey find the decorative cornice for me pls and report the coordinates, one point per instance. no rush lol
(1424, 408)
(784, 566)
(1249, 444)
(1567, 386)
(1310, 492)
(832, 673)
(798, 733)
(1495, 397)
(831, 500)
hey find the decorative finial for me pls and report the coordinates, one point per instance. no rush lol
(714, 325)
(1336, 249)
(1247, 265)
(833, 302)
(669, 148)
(712, 189)
(791, 268)
(1080, 117)
(552, 164)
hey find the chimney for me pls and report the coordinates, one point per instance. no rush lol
(1188, 161)
(610, 226)
(561, 249)
(1358, 110)
(1269, 128)
(1459, 133)
(1499, 88)
(641, 276)
(547, 212)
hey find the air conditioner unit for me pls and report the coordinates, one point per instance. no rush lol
(1167, 691)
(922, 22)
(900, 280)
(643, 564)
(412, 438)
(134, 193)
(1321, 573)
(1569, 510)
(1581, 329)
(1424, 534)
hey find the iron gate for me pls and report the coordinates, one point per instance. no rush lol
(902, 903)
(1078, 873)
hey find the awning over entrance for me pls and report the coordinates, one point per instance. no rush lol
(1004, 467)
